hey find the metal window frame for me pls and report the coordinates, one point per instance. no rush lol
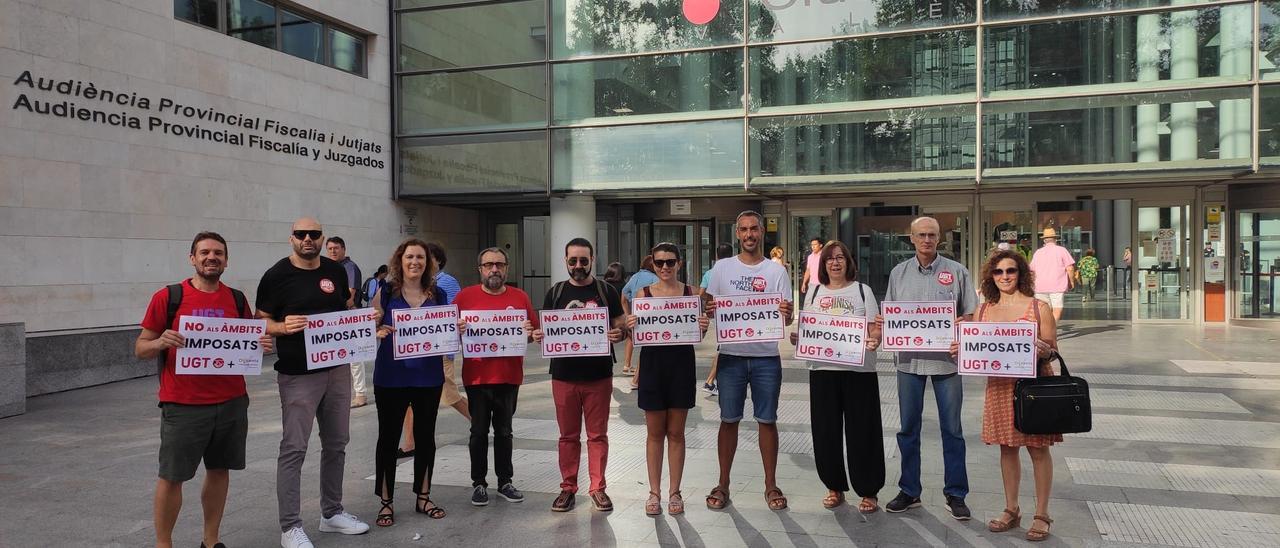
(326, 24)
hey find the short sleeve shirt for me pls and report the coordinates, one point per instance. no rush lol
(449, 284)
(587, 368)
(855, 299)
(288, 290)
(943, 280)
(504, 370)
(812, 264)
(1049, 265)
(640, 279)
(732, 277)
(353, 272)
(193, 389)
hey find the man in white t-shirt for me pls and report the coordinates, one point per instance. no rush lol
(756, 364)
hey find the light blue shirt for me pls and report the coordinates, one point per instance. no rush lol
(638, 281)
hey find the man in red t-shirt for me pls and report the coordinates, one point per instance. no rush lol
(203, 417)
(493, 383)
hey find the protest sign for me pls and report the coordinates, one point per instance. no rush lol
(219, 346)
(927, 326)
(426, 331)
(494, 333)
(574, 333)
(997, 349)
(831, 338)
(753, 317)
(664, 321)
(335, 338)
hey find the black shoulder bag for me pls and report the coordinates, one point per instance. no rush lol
(1052, 404)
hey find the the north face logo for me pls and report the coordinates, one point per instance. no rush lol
(700, 12)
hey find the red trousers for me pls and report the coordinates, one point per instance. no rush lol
(578, 402)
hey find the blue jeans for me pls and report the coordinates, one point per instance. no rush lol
(763, 374)
(948, 390)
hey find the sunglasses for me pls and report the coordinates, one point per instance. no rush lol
(304, 234)
(489, 266)
(665, 263)
(1005, 271)
(584, 261)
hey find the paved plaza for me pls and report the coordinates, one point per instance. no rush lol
(1185, 451)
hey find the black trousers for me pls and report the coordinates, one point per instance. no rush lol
(392, 404)
(491, 405)
(845, 406)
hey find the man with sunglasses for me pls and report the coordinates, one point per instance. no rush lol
(306, 283)
(929, 276)
(582, 387)
(493, 383)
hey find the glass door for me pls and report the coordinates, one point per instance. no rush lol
(1258, 263)
(696, 244)
(1162, 262)
(805, 226)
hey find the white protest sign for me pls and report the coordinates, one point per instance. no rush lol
(832, 338)
(927, 326)
(494, 333)
(220, 346)
(753, 317)
(335, 338)
(664, 321)
(426, 331)
(997, 349)
(574, 333)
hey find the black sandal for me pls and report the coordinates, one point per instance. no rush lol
(388, 519)
(434, 512)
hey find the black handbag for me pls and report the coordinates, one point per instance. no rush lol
(1052, 404)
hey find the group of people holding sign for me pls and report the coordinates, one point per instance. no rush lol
(208, 339)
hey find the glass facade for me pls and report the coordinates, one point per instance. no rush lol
(658, 94)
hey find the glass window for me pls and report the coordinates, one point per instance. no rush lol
(477, 100)
(907, 140)
(301, 37)
(690, 154)
(1269, 40)
(408, 4)
(490, 34)
(597, 27)
(467, 164)
(252, 21)
(1173, 46)
(1168, 127)
(346, 51)
(867, 69)
(200, 12)
(1257, 265)
(1014, 9)
(654, 85)
(800, 19)
(1269, 126)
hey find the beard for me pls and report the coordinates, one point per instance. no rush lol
(494, 282)
(305, 253)
(211, 278)
(579, 274)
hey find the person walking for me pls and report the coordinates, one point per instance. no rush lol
(812, 266)
(1088, 268)
(1053, 271)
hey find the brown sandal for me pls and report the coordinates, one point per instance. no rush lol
(718, 499)
(868, 505)
(675, 505)
(775, 498)
(999, 526)
(833, 499)
(1036, 535)
(653, 506)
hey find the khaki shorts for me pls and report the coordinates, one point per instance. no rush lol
(1054, 299)
(449, 395)
(213, 433)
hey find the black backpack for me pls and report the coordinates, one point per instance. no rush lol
(175, 301)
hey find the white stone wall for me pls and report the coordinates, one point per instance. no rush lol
(94, 218)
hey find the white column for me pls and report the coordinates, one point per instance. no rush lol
(572, 216)
(1184, 61)
(1148, 46)
(1234, 51)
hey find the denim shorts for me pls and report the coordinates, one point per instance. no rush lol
(762, 374)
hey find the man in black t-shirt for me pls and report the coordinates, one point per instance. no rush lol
(582, 387)
(306, 283)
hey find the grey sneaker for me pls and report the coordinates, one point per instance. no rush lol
(958, 508)
(509, 492)
(480, 496)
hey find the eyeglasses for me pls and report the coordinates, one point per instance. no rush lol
(571, 261)
(1005, 271)
(835, 258)
(490, 266)
(304, 234)
(665, 263)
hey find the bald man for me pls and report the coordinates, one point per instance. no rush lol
(306, 283)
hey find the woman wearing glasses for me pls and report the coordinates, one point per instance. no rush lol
(667, 387)
(844, 402)
(1007, 287)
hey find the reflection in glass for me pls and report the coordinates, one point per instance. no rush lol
(863, 69)
(1257, 265)
(346, 51)
(252, 21)
(201, 12)
(800, 19)
(1269, 125)
(596, 27)
(1175, 126)
(1269, 40)
(924, 139)
(463, 36)
(661, 84)
(301, 37)
(483, 99)
(1179, 45)
(1014, 9)
(648, 156)
(464, 164)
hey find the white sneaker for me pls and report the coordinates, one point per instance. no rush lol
(345, 523)
(295, 538)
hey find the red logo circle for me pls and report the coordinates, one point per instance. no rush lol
(326, 285)
(919, 341)
(830, 352)
(218, 363)
(426, 345)
(575, 346)
(342, 352)
(995, 365)
(666, 335)
(945, 278)
(825, 302)
(758, 284)
(493, 347)
(751, 332)
(700, 12)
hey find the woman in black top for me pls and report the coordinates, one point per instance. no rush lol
(668, 385)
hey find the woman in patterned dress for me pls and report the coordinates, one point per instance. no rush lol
(1006, 285)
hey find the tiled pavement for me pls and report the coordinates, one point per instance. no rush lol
(1183, 453)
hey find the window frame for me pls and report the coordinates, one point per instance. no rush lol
(327, 24)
